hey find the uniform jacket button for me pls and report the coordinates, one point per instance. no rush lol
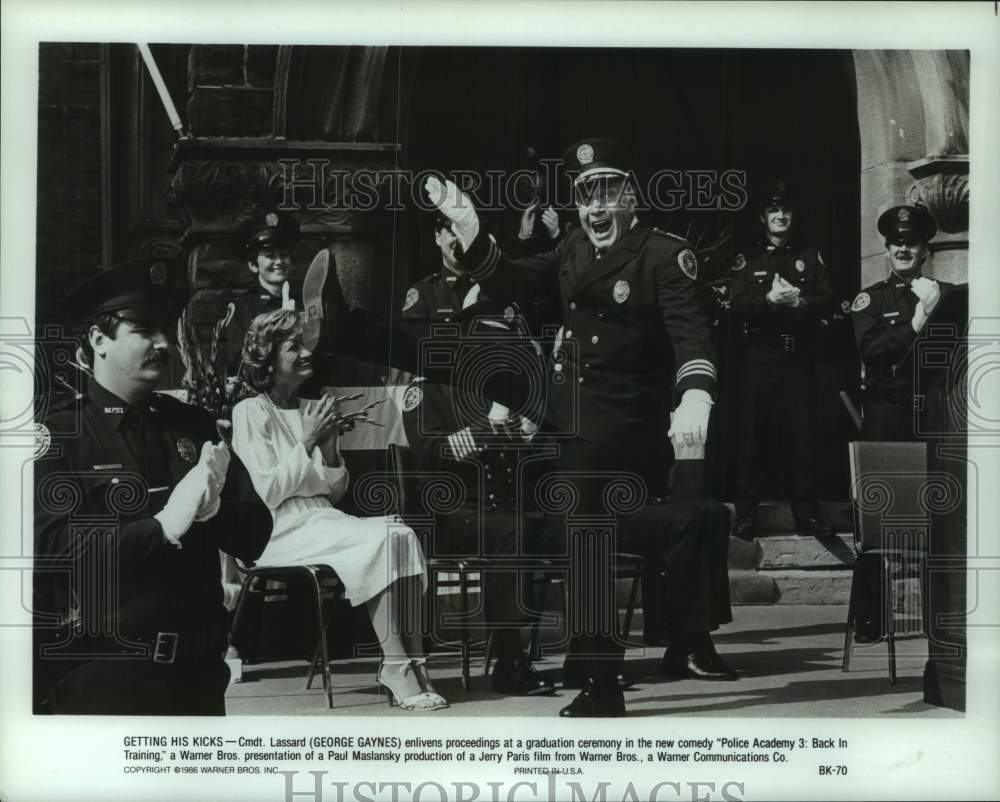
(580, 380)
(569, 334)
(572, 305)
(557, 367)
(595, 339)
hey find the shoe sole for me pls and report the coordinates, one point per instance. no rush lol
(312, 286)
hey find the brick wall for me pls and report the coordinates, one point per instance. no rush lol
(68, 233)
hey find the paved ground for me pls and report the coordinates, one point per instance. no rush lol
(789, 658)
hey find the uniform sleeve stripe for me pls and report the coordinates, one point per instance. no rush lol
(696, 367)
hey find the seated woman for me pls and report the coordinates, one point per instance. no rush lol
(290, 447)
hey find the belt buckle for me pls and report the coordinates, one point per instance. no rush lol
(165, 649)
(788, 342)
(918, 402)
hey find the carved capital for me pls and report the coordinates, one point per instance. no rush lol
(946, 197)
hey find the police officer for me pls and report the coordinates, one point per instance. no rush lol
(133, 502)
(452, 430)
(888, 317)
(266, 242)
(441, 294)
(632, 338)
(780, 290)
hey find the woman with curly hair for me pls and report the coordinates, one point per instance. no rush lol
(290, 447)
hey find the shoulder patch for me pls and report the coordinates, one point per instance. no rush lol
(739, 263)
(412, 296)
(861, 302)
(688, 263)
(412, 397)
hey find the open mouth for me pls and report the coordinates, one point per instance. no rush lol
(600, 227)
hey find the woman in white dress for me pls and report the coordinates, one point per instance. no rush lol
(290, 447)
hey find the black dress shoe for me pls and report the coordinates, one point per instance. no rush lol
(816, 527)
(744, 529)
(702, 663)
(867, 632)
(575, 676)
(595, 701)
(322, 301)
(520, 678)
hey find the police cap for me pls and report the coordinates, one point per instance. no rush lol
(906, 224)
(266, 230)
(150, 288)
(775, 192)
(594, 157)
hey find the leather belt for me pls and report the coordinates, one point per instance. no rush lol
(904, 400)
(164, 648)
(783, 342)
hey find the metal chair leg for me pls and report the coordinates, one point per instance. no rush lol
(629, 611)
(851, 612)
(463, 589)
(890, 620)
(321, 620)
(534, 650)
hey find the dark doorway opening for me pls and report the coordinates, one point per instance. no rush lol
(765, 112)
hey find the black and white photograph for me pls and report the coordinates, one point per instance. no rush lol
(385, 391)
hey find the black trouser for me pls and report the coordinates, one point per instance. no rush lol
(504, 368)
(517, 541)
(690, 538)
(144, 688)
(775, 407)
(605, 484)
(887, 422)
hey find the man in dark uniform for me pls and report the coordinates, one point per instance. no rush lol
(132, 504)
(454, 431)
(780, 291)
(888, 318)
(632, 338)
(266, 242)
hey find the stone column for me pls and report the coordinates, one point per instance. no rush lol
(913, 117)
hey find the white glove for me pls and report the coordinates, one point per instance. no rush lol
(689, 423)
(783, 293)
(457, 207)
(928, 291)
(498, 415)
(550, 219)
(216, 460)
(462, 444)
(197, 494)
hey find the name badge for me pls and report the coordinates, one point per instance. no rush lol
(890, 314)
(111, 466)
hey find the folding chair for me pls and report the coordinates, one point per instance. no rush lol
(255, 580)
(891, 525)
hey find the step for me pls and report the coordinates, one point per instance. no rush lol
(774, 516)
(803, 552)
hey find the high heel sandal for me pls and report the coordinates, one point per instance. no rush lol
(422, 700)
(420, 669)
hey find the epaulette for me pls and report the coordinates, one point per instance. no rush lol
(670, 234)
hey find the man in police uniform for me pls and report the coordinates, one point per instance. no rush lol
(888, 318)
(452, 430)
(780, 290)
(266, 242)
(632, 338)
(133, 502)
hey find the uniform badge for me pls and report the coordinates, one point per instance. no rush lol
(412, 296)
(861, 302)
(621, 291)
(412, 397)
(508, 314)
(43, 440)
(585, 154)
(271, 219)
(157, 274)
(800, 265)
(187, 449)
(688, 263)
(740, 263)
(903, 215)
